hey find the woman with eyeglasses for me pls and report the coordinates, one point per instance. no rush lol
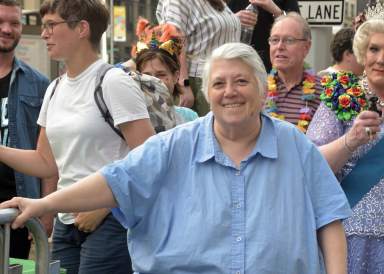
(75, 141)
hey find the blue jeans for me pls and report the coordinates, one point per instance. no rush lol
(102, 251)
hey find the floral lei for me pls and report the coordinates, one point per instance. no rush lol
(343, 94)
(309, 90)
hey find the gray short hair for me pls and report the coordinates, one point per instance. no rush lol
(10, 3)
(362, 37)
(306, 30)
(236, 51)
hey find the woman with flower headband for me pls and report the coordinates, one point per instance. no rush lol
(347, 128)
(157, 54)
(205, 24)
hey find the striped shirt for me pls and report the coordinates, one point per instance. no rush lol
(289, 102)
(204, 28)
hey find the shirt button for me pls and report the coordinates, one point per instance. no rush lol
(238, 173)
(237, 205)
(238, 272)
(238, 239)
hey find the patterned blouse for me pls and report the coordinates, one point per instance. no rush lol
(368, 214)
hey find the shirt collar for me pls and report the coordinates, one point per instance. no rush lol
(205, 143)
(20, 67)
(266, 143)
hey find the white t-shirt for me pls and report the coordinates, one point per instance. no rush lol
(328, 70)
(81, 141)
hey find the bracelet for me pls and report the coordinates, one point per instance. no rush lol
(350, 150)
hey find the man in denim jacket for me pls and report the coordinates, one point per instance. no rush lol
(21, 93)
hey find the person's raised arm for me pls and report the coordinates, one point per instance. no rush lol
(269, 6)
(89, 193)
(340, 150)
(333, 245)
(39, 163)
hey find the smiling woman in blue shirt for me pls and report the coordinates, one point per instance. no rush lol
(233, 192)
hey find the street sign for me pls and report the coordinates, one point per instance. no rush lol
(322, 13)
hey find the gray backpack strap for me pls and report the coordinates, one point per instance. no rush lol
(55, 87)
(99, 99)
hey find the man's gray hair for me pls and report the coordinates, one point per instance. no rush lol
(240, 51)
(299, 19)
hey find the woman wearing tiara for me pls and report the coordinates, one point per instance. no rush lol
(348, 128)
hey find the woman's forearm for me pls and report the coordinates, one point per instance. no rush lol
(337, 153)
(90, 193)
(39, 163)
(333, 245)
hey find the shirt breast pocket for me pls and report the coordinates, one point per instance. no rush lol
(29, 109)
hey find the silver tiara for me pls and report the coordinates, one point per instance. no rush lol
(375, 11)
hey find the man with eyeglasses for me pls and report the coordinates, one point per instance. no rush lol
(22, 90)
(268, 10)
(293, 88)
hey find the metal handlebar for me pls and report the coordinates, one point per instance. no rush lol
(35, 227)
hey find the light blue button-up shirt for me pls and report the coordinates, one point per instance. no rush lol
(190, 210)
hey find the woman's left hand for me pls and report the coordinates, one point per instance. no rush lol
(365, 128)
(247, 18)
(89, 221)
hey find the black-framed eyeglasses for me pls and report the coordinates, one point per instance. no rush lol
(274, 40)
(48, 26)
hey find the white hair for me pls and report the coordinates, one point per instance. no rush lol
(240, 51)
(363, 35)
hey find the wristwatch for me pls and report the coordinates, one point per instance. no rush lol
(186, 83)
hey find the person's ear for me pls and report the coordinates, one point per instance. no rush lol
(84, 29)
(176, 76)
(307, 46)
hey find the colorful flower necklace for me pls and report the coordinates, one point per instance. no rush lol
(343, 94)
(309, 90)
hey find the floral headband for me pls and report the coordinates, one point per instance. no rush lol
(165, 37)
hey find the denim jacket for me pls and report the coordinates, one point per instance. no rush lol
(25, 96)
